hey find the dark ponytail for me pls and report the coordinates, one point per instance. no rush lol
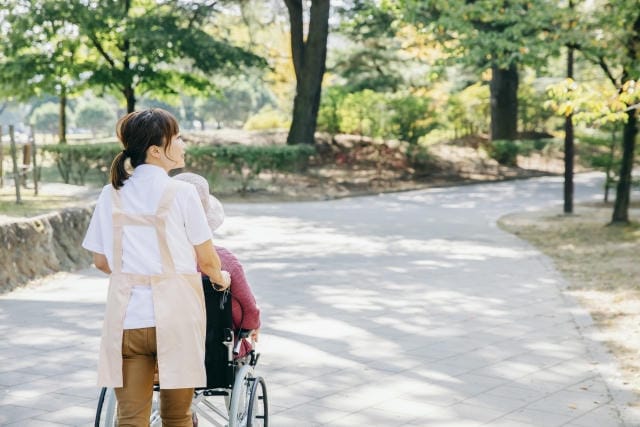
(138, 131)
(119, 173)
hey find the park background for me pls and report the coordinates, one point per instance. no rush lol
(308, 100)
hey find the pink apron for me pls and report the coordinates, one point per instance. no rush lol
(178, 304)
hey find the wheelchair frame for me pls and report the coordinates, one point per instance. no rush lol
(244, 393)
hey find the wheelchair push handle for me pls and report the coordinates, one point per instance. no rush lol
(242, 333)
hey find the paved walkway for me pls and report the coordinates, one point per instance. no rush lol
(410, 309)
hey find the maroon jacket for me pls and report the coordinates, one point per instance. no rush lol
(244, 310)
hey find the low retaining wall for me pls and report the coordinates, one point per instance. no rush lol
(39, 246)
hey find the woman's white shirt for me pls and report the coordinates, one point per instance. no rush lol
(186, 227)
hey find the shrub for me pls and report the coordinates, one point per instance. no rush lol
(412, 118)
(328, 114)
(267, 118)
(75, 161)
(247, 161)
(364, 113)
(504, 152)
(468, 111)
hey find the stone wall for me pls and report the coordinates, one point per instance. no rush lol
(35, 247)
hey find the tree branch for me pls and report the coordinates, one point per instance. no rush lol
(97, 45)
(605, 67)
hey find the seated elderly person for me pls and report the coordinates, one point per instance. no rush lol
(244, 310)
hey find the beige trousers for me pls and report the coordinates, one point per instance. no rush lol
(139, 360)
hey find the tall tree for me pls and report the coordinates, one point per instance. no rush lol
(494, 34)
(42, 54)
(142, 46)
(615, 47)
(309, 61)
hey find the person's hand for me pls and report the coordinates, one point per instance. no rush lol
(223, 284)
(254, 335)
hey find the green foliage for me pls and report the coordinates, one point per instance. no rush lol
(504, 152)
(267, 118)
(468, 110)
(75, 161)
(243, 162)
(412, 118)
(45, 117)
(489, 33)
(383, 54)
(592, 103)
(126, 47)
(41, 51)
(328, 115)
(246, 162)
(364, 113)
(402, 116)
(532, 114)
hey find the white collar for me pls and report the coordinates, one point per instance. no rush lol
(149, 171)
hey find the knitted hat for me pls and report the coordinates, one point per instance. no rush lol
(212, 206)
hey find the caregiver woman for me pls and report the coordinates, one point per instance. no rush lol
(149, 232)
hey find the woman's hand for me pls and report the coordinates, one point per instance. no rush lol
(101, 263)
(254, 335)
(223, 282)
(209, 264)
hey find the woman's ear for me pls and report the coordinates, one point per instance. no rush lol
(154, 151)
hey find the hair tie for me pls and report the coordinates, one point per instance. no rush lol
(125, 153)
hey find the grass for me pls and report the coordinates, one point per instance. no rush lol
(32, 205)
(584, 246)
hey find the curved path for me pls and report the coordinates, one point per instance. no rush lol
(409, 309)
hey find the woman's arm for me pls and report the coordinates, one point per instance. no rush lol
(101, 263)
(209, 263)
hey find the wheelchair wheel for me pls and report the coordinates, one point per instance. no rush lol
(240, 396)
(258, 413)
(106, 412)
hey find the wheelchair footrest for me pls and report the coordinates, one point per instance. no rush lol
(215, 393)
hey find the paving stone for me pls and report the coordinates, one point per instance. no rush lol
(13, 413)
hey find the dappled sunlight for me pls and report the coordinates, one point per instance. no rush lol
(279, 347)
(375, 308)
(312, 325)
(459, 249)
(295, 237)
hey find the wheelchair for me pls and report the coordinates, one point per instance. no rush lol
(244, 400)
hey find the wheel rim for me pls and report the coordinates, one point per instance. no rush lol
(258, 415)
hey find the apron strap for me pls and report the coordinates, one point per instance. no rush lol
(118, 224)
(164, 206)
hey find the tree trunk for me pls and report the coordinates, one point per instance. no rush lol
(623, 189)
(130, 96)
(568, 147)
(62, 117)
(309, 60)
(504, 103)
